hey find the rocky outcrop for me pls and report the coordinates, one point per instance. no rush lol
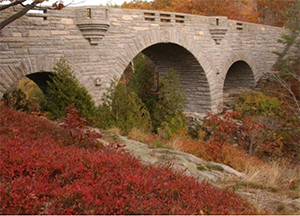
(179, 161)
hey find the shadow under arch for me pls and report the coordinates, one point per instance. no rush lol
(192, 76)
(239, 78)
(41, 79)
(239, 75)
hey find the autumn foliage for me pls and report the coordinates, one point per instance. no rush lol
(43, 172)
(270, 12)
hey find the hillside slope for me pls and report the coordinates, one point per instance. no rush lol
(45, 169)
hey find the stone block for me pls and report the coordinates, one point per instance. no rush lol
(39, 33)
(21, 51)
(36, 51)
(127, 17)
(4, 47)
(56, 32)
(67, 21)
(17, 34)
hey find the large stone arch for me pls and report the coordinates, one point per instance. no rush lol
(142, 43)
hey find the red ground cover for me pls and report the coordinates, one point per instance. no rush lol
(43, 173)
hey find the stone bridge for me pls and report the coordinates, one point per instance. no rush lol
(211, 54)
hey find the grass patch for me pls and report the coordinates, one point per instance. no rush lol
(202, 167)
(215, 167)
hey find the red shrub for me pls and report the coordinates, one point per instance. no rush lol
(42, 175)
(222, 127)
(77, 127)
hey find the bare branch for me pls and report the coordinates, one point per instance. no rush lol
(283, 83)
(19, 14)
(3, 7)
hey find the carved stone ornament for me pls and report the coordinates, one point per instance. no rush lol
(217, 34)
(93, 30)
(93, 23)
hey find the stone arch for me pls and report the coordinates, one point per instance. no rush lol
(36, 68)
(208, 99)
(11, 73)
(240, 61)
(239, 75)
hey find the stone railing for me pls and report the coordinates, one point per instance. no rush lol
(164, 17)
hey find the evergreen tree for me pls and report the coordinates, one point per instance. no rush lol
(144, 80)
(65, 90)
(168, 115)
(122, 108)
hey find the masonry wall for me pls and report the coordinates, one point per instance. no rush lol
(99, 46)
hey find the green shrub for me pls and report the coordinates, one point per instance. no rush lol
(65, 90)
(144, 80)
(16, 99)
(33, 93)
(257, 103)
(162, 96)
(124, 109)
(132, 114)
(27, 97)
(202, 167)
(215, 167)
(168, 113)
(129, 104)
(172, 126)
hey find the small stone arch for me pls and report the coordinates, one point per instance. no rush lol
(38, 69)
(239, 75)
(247, 62)
(173, 37)
(13, 72)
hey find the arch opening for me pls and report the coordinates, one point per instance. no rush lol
(239, 78)
(28, 92)
(239, 75)
(41, 79)
(192, 76)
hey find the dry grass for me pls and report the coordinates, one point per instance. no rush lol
(176, 143)
(278, 174)
(113, 134)
(140, 136)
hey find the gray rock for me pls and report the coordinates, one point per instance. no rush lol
(179, 161)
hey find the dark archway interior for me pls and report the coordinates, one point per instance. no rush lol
(192, 76)
(41, 79)
(239, 78)
(239, 75)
